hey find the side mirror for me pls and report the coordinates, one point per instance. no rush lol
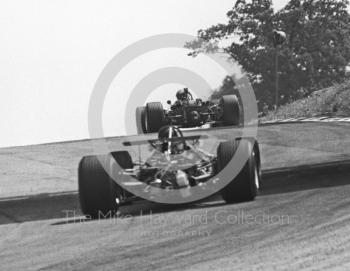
(168, 102)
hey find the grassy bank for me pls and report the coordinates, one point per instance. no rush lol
(332, 101)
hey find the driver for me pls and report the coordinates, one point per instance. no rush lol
(183, 95)
(174, 147)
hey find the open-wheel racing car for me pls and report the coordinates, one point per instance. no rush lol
(176, 162)
(187, 112)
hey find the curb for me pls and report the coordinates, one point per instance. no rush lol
(318, 119)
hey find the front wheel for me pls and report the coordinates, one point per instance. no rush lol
(99, 195)
(245, 185)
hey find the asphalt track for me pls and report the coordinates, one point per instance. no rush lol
(52, 168)
(300, 221)
(288, 227)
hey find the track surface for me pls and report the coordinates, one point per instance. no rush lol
(298, 222)
(52, 168)
(289, 227)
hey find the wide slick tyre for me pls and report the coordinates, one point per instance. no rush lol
(244, 187)
(99, 194)
(155, 116)
(230, 110)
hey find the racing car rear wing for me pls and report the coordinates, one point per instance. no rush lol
(155, 141)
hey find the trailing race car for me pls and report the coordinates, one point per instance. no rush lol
(176, 163)
(187, 112)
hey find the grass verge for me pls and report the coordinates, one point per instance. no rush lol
(333, 101)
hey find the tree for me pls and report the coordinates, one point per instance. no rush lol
(228, 87)
(315, 54)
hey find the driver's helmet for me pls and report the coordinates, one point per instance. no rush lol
(181, 94)
(164, 134)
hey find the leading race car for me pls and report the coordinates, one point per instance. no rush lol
(176, 162)
(187, 112)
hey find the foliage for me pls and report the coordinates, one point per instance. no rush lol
(228, 87)
(314, 56)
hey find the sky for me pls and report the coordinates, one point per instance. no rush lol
(52, 52)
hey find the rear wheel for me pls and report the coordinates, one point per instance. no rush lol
(154, 117)
(99, 194)
(245, 185)
(140, 120)
(230, 110)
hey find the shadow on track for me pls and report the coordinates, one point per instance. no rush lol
(145, 208)
(66, 206)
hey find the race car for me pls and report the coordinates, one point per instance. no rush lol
(187, 112)
(177, 163)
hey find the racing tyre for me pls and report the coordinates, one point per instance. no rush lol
(140, 120)
(245, 185)
(154, 117)
(230, 110)
(99, 195)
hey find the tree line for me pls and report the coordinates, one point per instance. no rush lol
(315, 54)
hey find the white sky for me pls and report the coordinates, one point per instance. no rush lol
(52, 51)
